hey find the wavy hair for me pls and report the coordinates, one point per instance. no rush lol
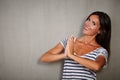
(104, 37)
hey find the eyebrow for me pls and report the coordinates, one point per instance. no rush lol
(92, 21)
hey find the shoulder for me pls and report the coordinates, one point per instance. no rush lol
(64, 42)
(102, 50)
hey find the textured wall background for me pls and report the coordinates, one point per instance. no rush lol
(28, 28)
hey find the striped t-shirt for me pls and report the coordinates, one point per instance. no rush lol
(75, 71)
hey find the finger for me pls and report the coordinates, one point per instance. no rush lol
(71, 36)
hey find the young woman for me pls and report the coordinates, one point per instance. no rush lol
(84, 56)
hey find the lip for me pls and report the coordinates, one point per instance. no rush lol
(85, 28)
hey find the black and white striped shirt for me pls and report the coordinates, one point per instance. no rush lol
(75, 71)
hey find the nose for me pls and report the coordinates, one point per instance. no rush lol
(87, 23)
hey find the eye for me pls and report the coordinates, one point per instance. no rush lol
(93, 23)
(88, 19)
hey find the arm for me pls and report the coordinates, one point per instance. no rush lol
(93, 65)
(53, 54)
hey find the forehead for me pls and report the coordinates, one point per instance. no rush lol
(95, 18)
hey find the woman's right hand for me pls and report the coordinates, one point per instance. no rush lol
(69, 50)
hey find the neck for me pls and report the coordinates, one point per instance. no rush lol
(89, 39)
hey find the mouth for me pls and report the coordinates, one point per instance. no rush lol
(85, 28)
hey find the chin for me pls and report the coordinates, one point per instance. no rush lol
(87, 33)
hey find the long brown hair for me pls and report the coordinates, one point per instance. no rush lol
(104, 37)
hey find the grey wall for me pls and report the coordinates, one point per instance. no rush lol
(28, 28)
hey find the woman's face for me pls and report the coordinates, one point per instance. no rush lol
(92, 26)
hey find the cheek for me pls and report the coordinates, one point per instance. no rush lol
(95, 31)
(91, 32)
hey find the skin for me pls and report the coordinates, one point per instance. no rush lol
(88, 43)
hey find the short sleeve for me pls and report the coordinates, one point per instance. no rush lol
(104, 53)
(64, 42)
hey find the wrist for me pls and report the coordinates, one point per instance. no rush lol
(65, 55)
